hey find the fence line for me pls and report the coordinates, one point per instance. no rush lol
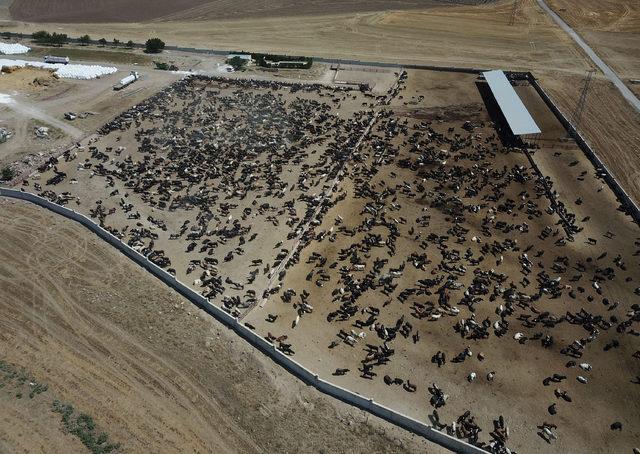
(630, 205)
(292, 366)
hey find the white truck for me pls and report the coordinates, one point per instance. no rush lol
(131, 78)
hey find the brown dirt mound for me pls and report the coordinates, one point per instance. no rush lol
(73, 11)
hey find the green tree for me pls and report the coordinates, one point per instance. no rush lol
(154, 46)
(85, 39)
(7, 174)
(237, 63)
(116, 42)
(58, 39)
(130, 44)
(102, 42)
(41, 36)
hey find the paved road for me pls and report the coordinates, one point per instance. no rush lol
(611, 75)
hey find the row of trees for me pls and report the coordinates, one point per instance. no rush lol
(57, 39)
(86, 39)
(152, 46)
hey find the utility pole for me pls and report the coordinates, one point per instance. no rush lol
(514, 12)
(577, 115)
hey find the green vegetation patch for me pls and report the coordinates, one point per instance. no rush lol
(7, 174)
(17, 380)
(82, 426)
(44, 37)
(118, 56)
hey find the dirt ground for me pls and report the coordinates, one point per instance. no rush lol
(434, 36)
(444, 101)
(517, 394)
(612, 28)
(266, 209)
(84, 11)
(155, 373)
(37, 96)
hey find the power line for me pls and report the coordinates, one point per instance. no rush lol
(514, 12)
(577, 114)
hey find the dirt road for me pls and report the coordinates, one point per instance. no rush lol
(30, 110)
(608, 72)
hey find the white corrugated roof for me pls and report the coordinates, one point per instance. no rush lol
(520, 120)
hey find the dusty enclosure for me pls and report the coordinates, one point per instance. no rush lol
(215, 179)
(436, 267)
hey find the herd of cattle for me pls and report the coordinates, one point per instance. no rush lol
(311, 211)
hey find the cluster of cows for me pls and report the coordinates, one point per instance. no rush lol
(225, 173)
(452, 227)
(230, 183)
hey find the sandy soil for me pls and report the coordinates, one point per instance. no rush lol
(155, 373)
(88, 11)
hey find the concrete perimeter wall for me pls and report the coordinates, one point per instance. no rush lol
(254, 339)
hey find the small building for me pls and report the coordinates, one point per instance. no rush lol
(520, 122)
(54, 59)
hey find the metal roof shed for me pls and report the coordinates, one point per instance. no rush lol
(518, 117)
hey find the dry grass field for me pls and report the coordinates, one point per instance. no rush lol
(611, 27)
(92, 11)
(155, 373)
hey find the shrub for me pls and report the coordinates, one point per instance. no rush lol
(130, 44)
(102, 42)
(83, 427)
(237, 63)
(59, 39)
(45, 37)
(7, 174)
(41, 36)
(154, 46)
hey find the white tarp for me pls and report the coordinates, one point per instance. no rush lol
(64, 71)
(12, 49)
(520, 120)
